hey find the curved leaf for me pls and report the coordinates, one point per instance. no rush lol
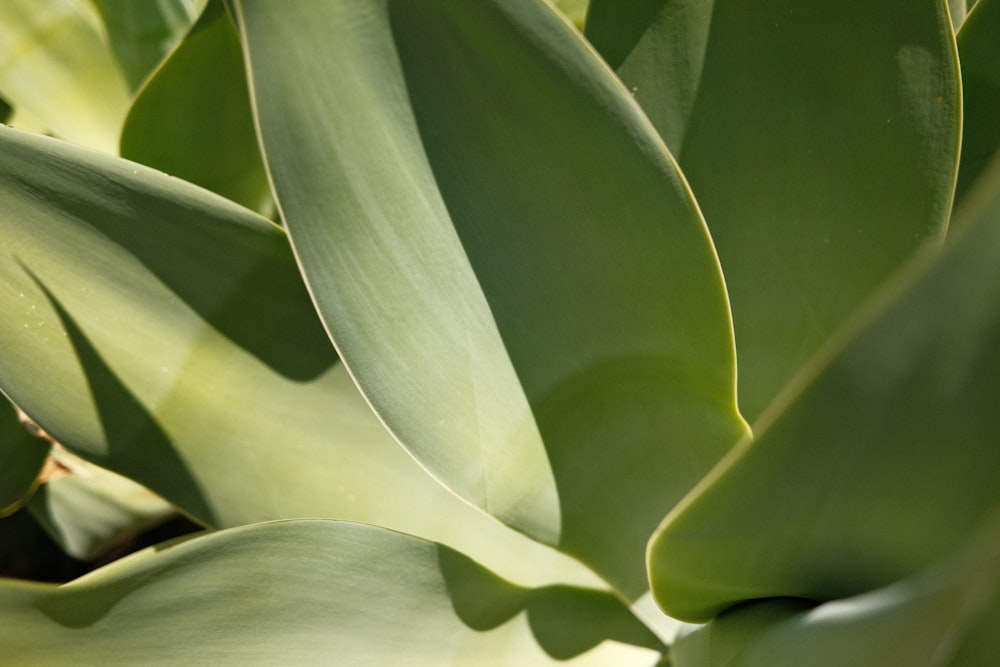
(143, 33)
(821, 142)
(192, 119)
(877, 464)
(21, 459)
(87, 510)
(311, 592)
(926, 620)
(979, 50)
(164, 333)
(506, 257)
(54, 58)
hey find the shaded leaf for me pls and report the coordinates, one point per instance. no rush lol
(192, 119)
(979, 50)
(21, 459)
(886, 452)
(143, 33)
(821, 142)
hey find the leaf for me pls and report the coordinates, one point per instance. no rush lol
(821, 142)
(143, 33)
(920, 621)
(21, 459)
(506, 257)
(53, 58)
(164, 333)
(886, 452)
(309, 592)
(980, 54)
(88, 509)
(192, 119)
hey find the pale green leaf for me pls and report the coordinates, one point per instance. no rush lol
(878, 463)
(57, 67)
(192, 119)
(821, 141)
(164, 333)
(506, 257)
(87, 510)
(312, 593)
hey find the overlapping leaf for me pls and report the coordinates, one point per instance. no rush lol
(506, 256)
(192, 119)
(877, 465)
(311, 593)
(164, 333)
(979, 49)
(21, 459)
(821, 141)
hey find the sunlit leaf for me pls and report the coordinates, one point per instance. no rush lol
(311, 592)
(163, 332)
(54, 58)
(507, 258)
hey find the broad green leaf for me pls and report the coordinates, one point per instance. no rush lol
(312, 593)
(192, 119)
(87, 509)
(56, 66)
(821, 141)
(143, 33)
(506, 257)
(21, 459)
(878, 463)
(927, 620)
(164, 333)
(979, 49)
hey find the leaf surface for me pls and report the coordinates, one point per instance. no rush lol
(506, 257)
(311, 593)
(821, 142)
(164, 333)
(886, 453)
(55, 57)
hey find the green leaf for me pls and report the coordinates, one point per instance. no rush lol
(958, 10)
(878, 463)
(192, 119)
(821, 142)
(506, 257)
(311, 592)
(979, 50)
(56, 66)
(88, 509)
(21, 459)
(143, 33)
(925, 620)
(164, 333)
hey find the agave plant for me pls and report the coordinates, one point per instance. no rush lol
(473, 398)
